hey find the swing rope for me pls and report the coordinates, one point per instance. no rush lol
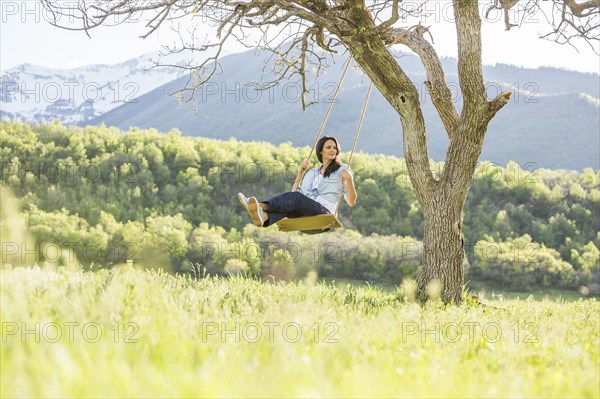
(335, 93)
(360, 121)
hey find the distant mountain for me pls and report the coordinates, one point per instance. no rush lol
(552, 120)
(35, 93)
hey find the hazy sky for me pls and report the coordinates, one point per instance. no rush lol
(26, 36)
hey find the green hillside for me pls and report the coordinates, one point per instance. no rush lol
(98, 196)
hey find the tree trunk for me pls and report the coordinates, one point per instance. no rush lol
(441, 274)
(443, 249)
(442, 200)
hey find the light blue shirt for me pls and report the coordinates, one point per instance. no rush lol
(324, 190)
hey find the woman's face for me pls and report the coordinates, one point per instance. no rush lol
(329, 151)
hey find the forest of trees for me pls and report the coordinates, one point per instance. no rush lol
(167, 201)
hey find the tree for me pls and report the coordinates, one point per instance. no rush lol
(297, 30)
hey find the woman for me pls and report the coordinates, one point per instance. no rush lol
(316, 194)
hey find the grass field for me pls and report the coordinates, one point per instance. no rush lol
(132, 333)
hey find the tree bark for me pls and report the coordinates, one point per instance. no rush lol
(441, 274)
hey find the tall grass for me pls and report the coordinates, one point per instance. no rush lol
(132, 333)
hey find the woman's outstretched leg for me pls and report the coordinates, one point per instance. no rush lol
(291, 204)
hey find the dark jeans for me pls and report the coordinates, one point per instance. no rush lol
(292, 204)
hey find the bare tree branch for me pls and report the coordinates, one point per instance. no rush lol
(393, 19)
(436, 82)
(505, 6)
(569, 20)
(470, 74)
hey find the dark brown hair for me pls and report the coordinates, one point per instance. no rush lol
(336, 164)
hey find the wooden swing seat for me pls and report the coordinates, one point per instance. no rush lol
(306, 223)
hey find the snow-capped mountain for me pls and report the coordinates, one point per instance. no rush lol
(35, 93)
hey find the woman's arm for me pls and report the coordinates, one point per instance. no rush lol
(301, 171)
(351, 190)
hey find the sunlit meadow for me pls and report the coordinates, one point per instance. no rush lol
(132, 333)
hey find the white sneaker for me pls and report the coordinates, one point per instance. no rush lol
(258, 215)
